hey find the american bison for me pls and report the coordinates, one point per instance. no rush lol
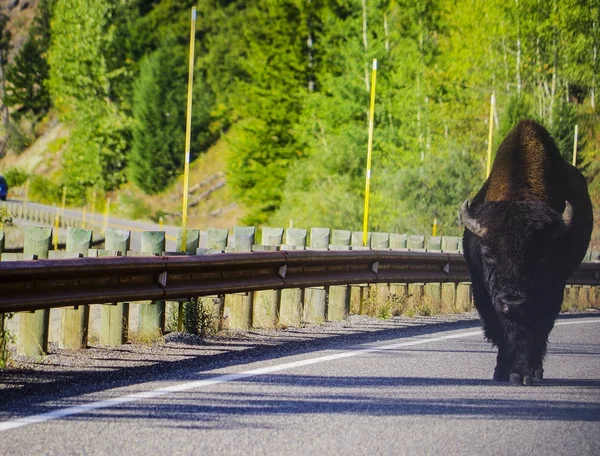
(526, 231)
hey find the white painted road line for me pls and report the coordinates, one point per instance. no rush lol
(62, 413)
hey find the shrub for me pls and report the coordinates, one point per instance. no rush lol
(43, 190)
(15, 176)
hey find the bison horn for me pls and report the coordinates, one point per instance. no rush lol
(469, 222)
(567, 216)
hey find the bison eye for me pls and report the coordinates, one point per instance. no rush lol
(489, 260)
(488, 257)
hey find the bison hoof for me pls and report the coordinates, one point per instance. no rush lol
(538, 374)
(528, 380)
(516, 379)
(500, 376)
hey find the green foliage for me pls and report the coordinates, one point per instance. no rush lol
(15, 176)
(78, 71)
(133, 207)
(5, 38)
(27, 76)
(43, 190)
(97, 151)
(198, 317)
(517, 109)
(436, 190)
(5, 217)
(321, 190)
(18, 138)
(563, 129)
(160, 100)
(6, 337)
(293, 78)
(274, 37)
(80, 86)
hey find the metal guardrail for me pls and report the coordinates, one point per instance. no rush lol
(42, 284)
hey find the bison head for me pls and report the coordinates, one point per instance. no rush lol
(512, 242)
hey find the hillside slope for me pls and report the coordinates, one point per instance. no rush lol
(210, 202)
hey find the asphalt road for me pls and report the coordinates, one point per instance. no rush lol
(423, 391)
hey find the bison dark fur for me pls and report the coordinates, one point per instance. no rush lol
(526, 231)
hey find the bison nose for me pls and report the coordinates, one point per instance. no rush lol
(511, 302)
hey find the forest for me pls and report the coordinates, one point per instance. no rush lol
(287, 84)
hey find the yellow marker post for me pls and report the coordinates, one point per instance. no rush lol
(55, 231)
(93, 208)
(64, 202)
(188, 134)
(369, 152)
(106, 216)
(93, 205)
(186, 168)
(26, 192)
(490, 135)
(575, 146)
(83, 217)
(434, 228)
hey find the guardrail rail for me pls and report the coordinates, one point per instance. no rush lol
(42, 284)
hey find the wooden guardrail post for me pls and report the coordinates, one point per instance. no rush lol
(359, 294)
(398, 291)
(216, 242)
(115, 317)
(75, 321)
(338, 306)
(192, 243)
(237, 309)
(379, 294)
(2, 315)
(398, 241)
(34, 326)
(464, 297)
(192, 240)
(315, 298)
(432, 292)
(152, 315)
(449, 290)
(265, 311)
(290, 307)
(415, 243)
(416, 291)
(357, 240)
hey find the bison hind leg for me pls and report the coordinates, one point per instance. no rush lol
(538, 374)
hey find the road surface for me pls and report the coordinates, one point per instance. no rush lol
(413, 391)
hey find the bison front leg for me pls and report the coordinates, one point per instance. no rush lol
(522, 343)
(522, 372)
(504, 362)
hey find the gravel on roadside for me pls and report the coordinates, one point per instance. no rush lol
(96, 365)
(179, 347)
